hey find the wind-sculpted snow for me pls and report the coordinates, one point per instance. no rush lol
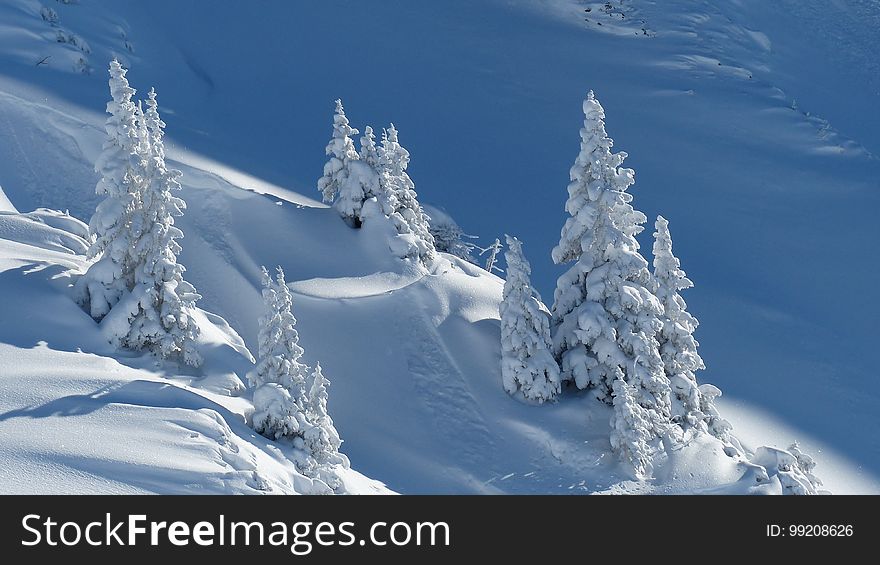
(745, 133)
(77, 416)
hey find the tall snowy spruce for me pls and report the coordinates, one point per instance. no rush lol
(631, 429)
(341, 151)
(399, 201)
(289, 402)
(369, 152)
(348, 181)
(605, 316)
(121, 167)
(692, 405)
(527, 366)
(322, 439)
(279, 379)
(163, 321)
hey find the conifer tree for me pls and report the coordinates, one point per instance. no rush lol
(492, 258)
(341, 151)
(349, 180)
(279, 379)
(369, 152)
(399, 201)
(678, 348)
(322, 440)
(527, 366)
(120, 165)
(290, 401)
(693, 405)
(164, 320)
(605, 315)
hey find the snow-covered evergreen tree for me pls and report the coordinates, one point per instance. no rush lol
(526, 362)
(492, 258)
(375, 174)
(678, 348)
(290, 404)
(120, 165)
(361, 185)
(605, 315)
(399, 201)
(279, 379)
(369, 152)
(341, 151)
(137, 276)
(348, 180)
(321, 440)
(693, 405)
(163, 321)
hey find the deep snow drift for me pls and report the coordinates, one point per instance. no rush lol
(78, 416)
(414, 359)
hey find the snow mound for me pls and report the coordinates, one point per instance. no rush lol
(46, 229)
(354, 287)
(81, 417)
(706, 465)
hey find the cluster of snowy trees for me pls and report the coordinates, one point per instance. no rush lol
(135, 286)
(290, 399)
(373, 184)
(616, 328)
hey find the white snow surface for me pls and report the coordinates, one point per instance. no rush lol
(413, 358)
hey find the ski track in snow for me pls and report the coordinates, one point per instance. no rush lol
(439, 383)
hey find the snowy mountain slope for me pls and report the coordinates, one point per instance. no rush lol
(440, 356)
(724, 156)
(76, 416)
(432, 418)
